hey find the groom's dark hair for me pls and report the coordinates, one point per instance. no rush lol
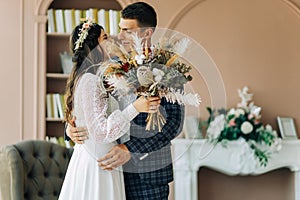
(142, 12)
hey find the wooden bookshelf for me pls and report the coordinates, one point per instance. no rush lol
(57, 76)
(57, 43)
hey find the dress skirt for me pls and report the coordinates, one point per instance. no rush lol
(85, 180)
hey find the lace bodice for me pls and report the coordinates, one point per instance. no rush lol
(100, 113)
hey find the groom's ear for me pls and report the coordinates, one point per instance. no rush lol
(148, 33)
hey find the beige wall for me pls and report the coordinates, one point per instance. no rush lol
(17, 77)
(254, 43)
(11, 72)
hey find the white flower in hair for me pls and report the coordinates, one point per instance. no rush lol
(84, 31)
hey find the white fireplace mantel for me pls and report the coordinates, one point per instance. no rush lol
(190, 155)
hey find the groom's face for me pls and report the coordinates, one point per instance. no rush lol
(130, 26)
(127, 28)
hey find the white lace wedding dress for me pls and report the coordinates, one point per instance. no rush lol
(84, 179)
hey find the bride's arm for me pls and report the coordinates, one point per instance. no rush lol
(95, 104)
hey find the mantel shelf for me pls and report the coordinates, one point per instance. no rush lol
(188, 159)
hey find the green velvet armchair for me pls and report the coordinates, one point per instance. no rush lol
(32, 170)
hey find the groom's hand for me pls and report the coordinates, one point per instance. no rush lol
(117, 156)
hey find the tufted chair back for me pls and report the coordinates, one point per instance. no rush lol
(33, 169)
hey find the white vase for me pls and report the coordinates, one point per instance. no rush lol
(191, 128)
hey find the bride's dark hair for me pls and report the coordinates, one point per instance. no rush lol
(83, 57)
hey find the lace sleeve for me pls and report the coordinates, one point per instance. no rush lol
(95, 104)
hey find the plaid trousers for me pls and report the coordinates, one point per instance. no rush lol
(137, 189)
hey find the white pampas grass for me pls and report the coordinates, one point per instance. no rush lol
(137, 43)
(183, 98)
(181, 45)
(120, 85)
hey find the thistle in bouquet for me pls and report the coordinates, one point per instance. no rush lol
(157, 70)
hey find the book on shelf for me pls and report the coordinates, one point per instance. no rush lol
(103, 19)
(118, 20)
(59, 106)
(60, 21)
(92, 13)
(52, 139)
(55, 105)
(49, 106)
(69, 20)
(65, 20)
(62, 100)
(107, 22)
(113, 22)
(61, 141)
(51, 21)
(78, 16)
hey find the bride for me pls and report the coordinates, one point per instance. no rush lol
(94, 108)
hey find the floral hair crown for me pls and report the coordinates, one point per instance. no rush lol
(84, 31)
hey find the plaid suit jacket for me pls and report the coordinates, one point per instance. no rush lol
(151, 150)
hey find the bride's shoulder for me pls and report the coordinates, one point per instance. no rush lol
(86, 80)
(87, 77)
(91, 81)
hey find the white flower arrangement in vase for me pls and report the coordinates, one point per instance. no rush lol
(244, 122)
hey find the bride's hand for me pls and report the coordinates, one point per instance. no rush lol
(147, 105)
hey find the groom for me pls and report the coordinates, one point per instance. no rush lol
(146, 157)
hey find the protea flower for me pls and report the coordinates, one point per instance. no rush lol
(145, 76)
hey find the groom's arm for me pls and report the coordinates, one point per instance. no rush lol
(122, 153)
(172, 128)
